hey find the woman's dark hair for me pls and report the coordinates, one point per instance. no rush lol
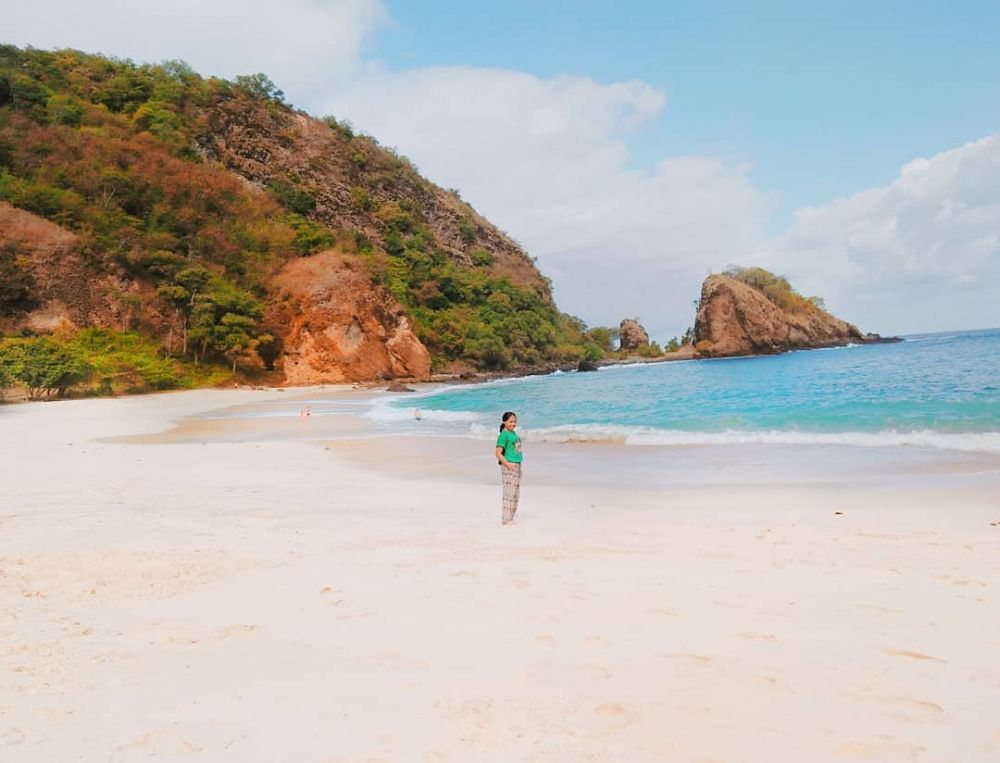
(507, 415)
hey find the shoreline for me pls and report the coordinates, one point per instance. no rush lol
(376, 446)
(982, 446)
(687, 352)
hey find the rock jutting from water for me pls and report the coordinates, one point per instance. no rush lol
(632, 336)
(739, 318)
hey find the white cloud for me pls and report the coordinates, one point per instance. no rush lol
(303, 45)
(547, 160)
(920, 253)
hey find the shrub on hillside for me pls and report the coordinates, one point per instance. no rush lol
(65, 110)
(42, 365)
(603, 336)
(119, 362)
(97, 361)
(16, 282)
(704, 345)
(776, 288)
(481, 258)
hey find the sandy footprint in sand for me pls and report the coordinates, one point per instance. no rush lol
(876, 749)
(774, 685)
(909, 703)
(618, 714)
(168, 742)
(602, 671)
(750, 636)
(476, 715)
(911, 654)
(232, 630)
(690, 659)
(960, 581)
(666, 611)
(12, 737)
(880, 609)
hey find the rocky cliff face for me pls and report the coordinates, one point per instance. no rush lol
(354, 184)
(632, 336)
(334, 326)
(65, 293)
(737, 319)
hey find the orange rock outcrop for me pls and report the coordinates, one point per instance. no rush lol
(737, 319)
(333, 325)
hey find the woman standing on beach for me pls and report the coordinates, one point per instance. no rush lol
(508, 453)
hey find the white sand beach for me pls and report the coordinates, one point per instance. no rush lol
(256, 591)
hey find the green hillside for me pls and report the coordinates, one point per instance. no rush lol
(175, 186)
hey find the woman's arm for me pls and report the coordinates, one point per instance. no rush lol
(501, 459)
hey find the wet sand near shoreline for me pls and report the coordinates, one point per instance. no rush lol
(661, 467)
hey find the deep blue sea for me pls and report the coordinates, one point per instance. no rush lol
(933, 390)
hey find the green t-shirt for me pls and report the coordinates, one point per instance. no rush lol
(511, 445)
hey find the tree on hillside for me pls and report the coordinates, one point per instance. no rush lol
(181, 290)
(236, 336)
(260, 85)
(224, 319)
(126, 304)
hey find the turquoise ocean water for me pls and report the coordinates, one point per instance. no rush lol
(935, 390)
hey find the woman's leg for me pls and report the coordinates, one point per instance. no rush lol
(511, 491)
(517, 488)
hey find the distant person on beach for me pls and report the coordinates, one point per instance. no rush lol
(416, 414)
(305, 413)
(508, 453)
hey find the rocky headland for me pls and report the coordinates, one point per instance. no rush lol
(760, 314)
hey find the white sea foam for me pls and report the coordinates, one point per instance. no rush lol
(476, 426)
(848, 346)
(384, 412)
(932, 338)
(988, 442)
(631, 364)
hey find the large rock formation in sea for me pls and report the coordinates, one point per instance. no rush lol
(632, 336)
(737, 318)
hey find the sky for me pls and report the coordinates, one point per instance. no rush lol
(634, 147)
